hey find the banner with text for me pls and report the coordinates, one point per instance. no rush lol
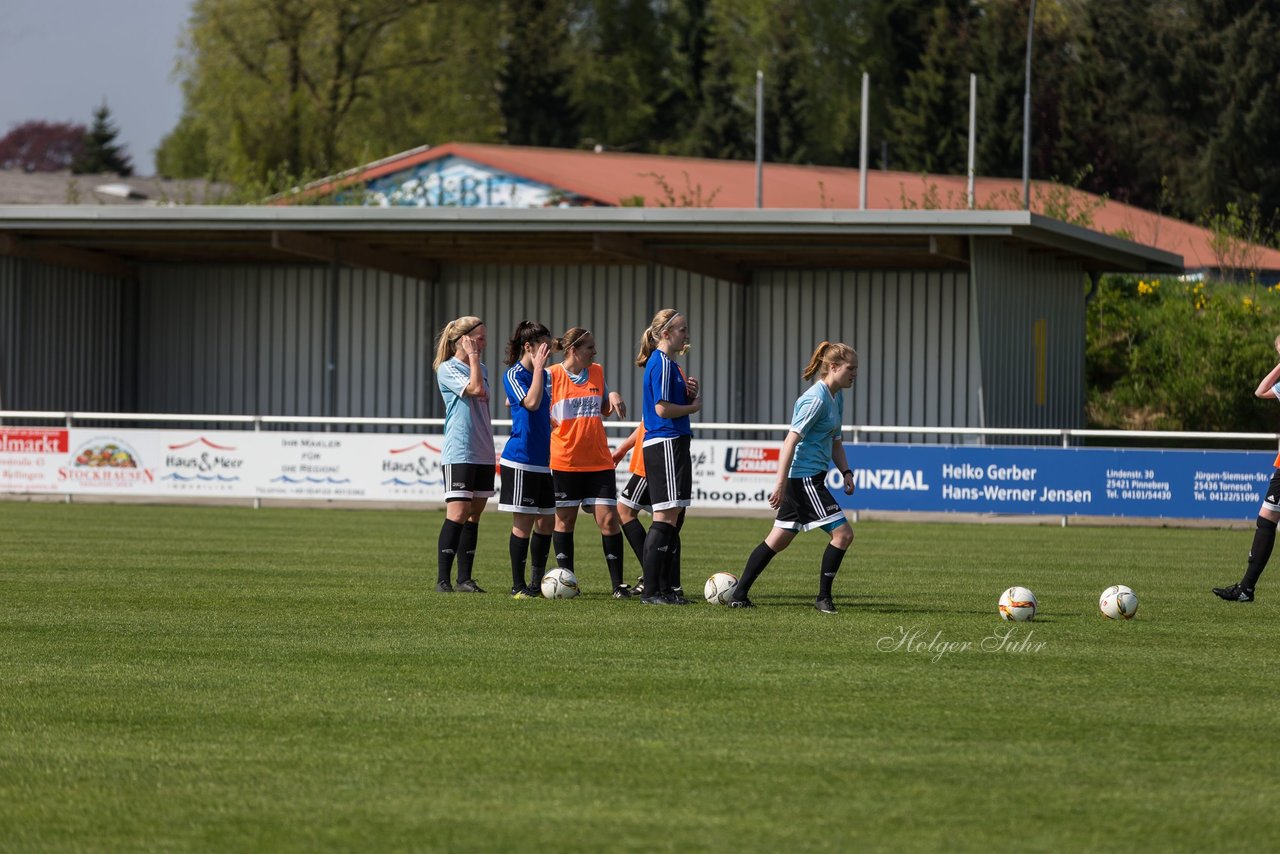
(726, 474)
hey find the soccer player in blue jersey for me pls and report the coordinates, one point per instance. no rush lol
(527, 488)
(800, 496)
(669, 400)
(468, 458)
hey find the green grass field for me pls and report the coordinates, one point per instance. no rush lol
(217, 678)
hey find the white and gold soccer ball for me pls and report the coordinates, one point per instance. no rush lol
(1118, 602)
(719, 588)
(559, 584)
(1017, 604)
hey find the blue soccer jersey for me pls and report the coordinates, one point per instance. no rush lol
(816, 417)
(529, 447)
(468, 432)
(663, 380)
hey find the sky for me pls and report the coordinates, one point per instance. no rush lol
(60, 58)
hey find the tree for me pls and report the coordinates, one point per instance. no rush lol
(720, 125)
(274, 86)
(621, 56)
(1237, 159)
(40, 146)
(534, 89)
(930, 128)
(101, 152)
(184, 151)
(787, 101)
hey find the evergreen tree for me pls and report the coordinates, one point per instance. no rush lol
(534, 81)
(101, 152)
(721, 127)
(1237, 159)
(930, 128)
(621, 58)
(687, 26)
(787, 103)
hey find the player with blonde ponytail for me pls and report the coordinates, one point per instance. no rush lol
(669, 400)
(800, 495)
(467, 457)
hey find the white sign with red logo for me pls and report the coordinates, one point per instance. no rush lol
(207, 464)
(29, 458)
(110, 462)
(320, 466)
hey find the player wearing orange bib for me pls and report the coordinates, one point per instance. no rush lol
(581, 464)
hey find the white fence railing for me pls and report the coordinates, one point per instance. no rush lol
(853, 432)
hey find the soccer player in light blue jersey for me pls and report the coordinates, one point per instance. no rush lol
(801, 496)
(468, 458)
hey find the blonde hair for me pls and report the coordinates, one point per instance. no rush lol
(828, 354)
(447, 343)
(653, 334)
(571, 338)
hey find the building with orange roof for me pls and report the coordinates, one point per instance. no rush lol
(479, 175)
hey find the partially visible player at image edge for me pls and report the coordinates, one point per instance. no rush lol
(468, 457)
(801, 496)
(1264, 535)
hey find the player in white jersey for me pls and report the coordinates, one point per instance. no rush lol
(468, 458)
(801, 496)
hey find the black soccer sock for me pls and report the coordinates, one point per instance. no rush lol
(519, 550)
(657, 551)
(613, 547)
(755, 565)
(673, 566)
(564, 549)
(467, 550)
(539, 548)
(635, 534)
(450, 534)
(1264, 539)
(830, 566)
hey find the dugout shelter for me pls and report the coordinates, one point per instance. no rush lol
(961, 318)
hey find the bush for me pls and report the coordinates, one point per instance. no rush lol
(1164, 354)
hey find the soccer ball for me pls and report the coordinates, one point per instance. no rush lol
(559, 584)
(719, 588)
(1118, 602)
(1018, 604)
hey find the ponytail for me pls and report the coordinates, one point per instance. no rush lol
(527, 332)
(826, 355)
(570, 339)
(447, 343)
(653, 334)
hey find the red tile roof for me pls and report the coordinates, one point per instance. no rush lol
(614, 178)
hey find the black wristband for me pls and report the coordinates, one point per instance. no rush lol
(848, 472)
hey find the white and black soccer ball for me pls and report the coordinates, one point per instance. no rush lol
(559, 584)
(719, 588)
(1017, 604)
(1118, 602)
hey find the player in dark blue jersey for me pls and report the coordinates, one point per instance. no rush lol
(669, 400)
(527, 490)
(801, 496)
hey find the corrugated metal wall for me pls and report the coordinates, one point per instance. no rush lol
(1032, 315)
(615, 303)
(914, 332)
(315, 340)
(63, 337)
